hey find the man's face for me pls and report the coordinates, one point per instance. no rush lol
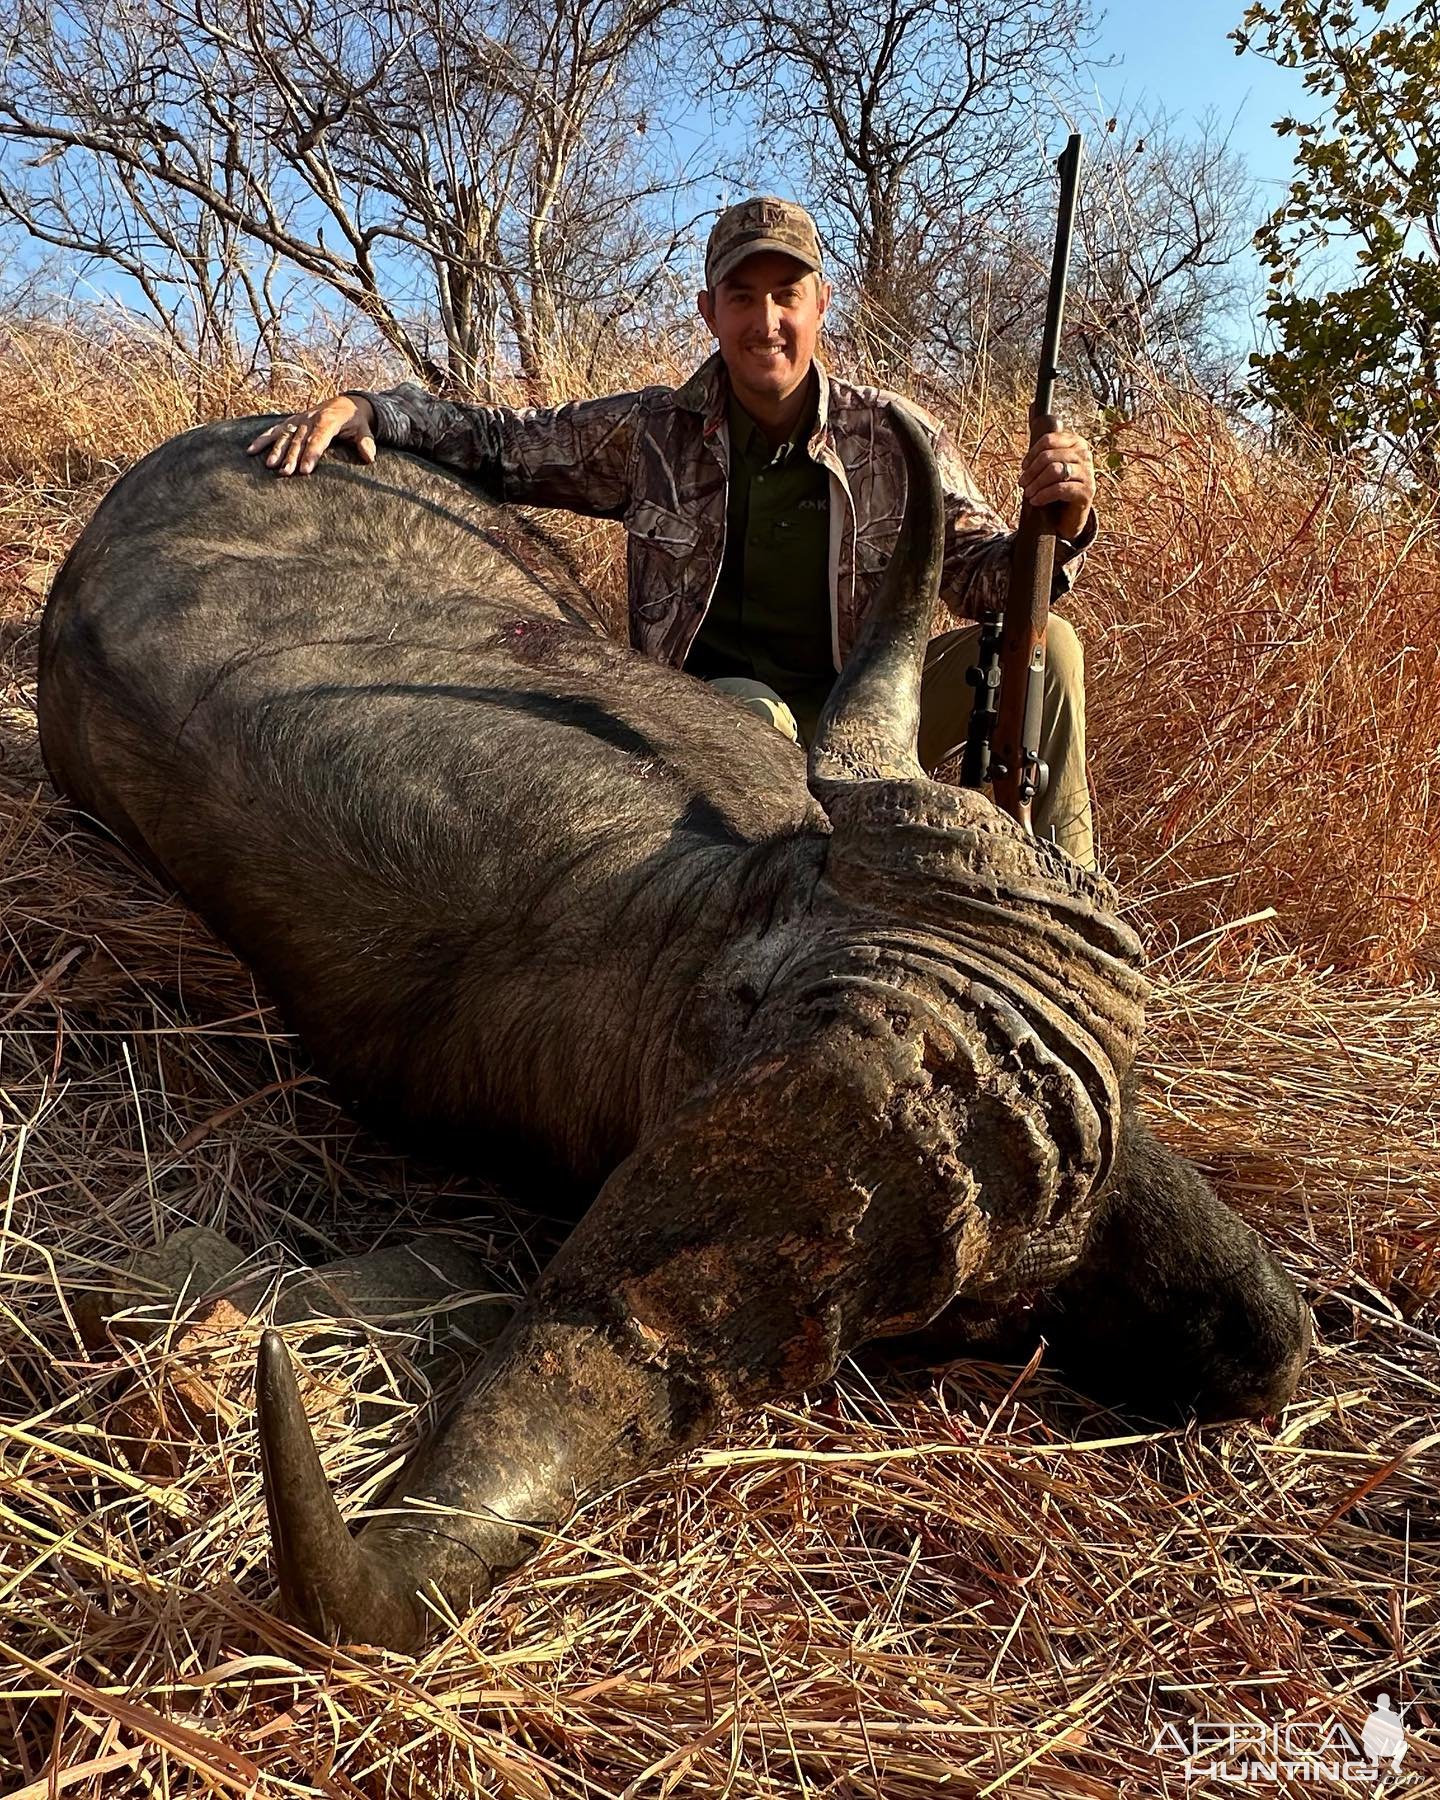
(766, 316)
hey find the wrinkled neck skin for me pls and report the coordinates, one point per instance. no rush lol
(929, 917)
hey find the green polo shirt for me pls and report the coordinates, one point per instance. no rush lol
(770, 617)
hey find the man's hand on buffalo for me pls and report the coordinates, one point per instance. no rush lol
(1059, 469)
(296, 444)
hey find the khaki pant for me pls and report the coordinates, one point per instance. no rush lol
(1063, 810)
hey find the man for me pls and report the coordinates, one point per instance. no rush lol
(762, 500)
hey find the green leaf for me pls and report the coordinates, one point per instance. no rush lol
(1357, 363)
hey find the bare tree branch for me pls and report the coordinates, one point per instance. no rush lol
(452, 172)
(902, 122)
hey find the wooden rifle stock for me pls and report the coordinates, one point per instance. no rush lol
(1011, 759)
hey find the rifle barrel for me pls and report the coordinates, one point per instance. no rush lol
(1016, 769)
(1068, 165)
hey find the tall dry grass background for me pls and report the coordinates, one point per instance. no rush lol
(952, 1577)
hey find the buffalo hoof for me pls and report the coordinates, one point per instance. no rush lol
(1176, 1309)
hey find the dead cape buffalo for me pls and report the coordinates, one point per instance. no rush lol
(842, 1056)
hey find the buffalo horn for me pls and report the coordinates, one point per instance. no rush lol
(326, 1577)
(869, 728)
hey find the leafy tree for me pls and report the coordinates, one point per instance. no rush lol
(1359, 363)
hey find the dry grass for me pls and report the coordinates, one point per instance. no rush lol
(954, 1579)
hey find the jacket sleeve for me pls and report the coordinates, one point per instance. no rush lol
(975, 578)
(578, 456)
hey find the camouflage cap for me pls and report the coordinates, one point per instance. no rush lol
(764, 223)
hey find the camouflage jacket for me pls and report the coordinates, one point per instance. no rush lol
(658, 460)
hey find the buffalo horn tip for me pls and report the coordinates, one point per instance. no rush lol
(317, 1562)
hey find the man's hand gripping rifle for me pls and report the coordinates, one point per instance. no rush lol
(1003, 743)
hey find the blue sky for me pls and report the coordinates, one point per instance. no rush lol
(1179, 56)
(1177, 59)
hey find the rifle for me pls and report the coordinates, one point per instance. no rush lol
(1003, 742)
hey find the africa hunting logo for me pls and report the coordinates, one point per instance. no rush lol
(1294, 1749)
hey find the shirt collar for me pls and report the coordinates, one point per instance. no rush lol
(751, 441)
(707, 392)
